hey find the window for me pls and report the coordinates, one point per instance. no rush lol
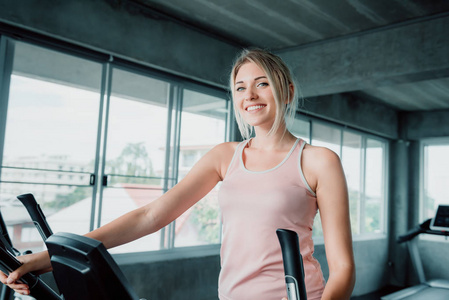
(363, 158)
(435, 177)
(374, 188)
(93, 139)
(300, 129)
(203, 113)
(52, 116)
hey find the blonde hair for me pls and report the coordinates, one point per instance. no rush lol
(279, 78)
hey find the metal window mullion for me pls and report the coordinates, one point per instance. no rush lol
(423, 177)
(362, 186)
(341, 143)
(384, 210)
(102, 145)
(175, 155)
(6, 65)
(230, 123)
(310, 131)
(167, 174)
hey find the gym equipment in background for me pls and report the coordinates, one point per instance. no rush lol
(426, 289)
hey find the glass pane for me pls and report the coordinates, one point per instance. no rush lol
(118, 201)
(351, 161)
(436, 178)
(20, 228)
(51, 134)
(300, 129)
(203, 126)
(374, 186)
(135, 150)
(326, 136)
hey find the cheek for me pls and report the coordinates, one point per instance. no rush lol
(238, 102)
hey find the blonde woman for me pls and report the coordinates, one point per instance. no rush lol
(270, 181)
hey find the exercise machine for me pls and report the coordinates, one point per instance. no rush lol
(84, 269)
(427, 289)
(86, 262)
(293, 264)
(8, 262)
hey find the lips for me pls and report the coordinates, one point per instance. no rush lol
(254, 107)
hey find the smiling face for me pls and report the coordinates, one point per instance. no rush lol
(261, 86)
(253, 96)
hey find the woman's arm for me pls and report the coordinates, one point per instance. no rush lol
(326, 174)
(201, 179)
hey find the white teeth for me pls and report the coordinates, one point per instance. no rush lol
(254, 107)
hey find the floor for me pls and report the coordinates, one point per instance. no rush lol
(376, 295)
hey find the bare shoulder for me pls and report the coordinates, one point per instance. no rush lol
(319, 163)
(224, 150)
(319, 156)
(222, 155)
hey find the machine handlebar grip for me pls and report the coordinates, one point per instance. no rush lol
(412, 233)
(38, 289)
(293, 264)
(36, 214)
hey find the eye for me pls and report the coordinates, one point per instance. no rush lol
(239, 89)
(262, 84)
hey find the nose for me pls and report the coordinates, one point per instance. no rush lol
(250, 94)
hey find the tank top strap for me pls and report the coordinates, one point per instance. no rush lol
(299, 150)
(235, 158)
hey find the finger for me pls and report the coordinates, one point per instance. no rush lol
(18, 286)
(24, 291)
(25, 268)
(3, 277)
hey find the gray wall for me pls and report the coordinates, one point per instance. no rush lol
(127, 32)
(189, 278)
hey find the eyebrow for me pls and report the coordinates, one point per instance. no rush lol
(255, 79)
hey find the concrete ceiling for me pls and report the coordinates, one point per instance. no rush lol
(420, 81)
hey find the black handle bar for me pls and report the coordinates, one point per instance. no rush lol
(424, 227)
(293, 265)
(38, 289)
(36, 214)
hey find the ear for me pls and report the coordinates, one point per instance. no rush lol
(291, 89)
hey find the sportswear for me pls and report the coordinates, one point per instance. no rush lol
(253, 205)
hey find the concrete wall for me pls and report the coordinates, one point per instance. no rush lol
(350, 110)
(125, 30)
(190, 278)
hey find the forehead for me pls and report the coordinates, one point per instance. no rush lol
(248, 71)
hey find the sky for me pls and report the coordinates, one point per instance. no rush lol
(47, 119)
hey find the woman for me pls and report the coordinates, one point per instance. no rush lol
(271, 181)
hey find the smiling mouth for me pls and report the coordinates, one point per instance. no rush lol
(255, 107)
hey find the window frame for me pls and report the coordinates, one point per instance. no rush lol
(176, 84)
(434, 141)
(362, 236)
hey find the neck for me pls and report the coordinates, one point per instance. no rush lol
(281, 139)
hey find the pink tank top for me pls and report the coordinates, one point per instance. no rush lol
(253, 206)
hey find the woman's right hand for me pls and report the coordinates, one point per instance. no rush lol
(38, 263)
